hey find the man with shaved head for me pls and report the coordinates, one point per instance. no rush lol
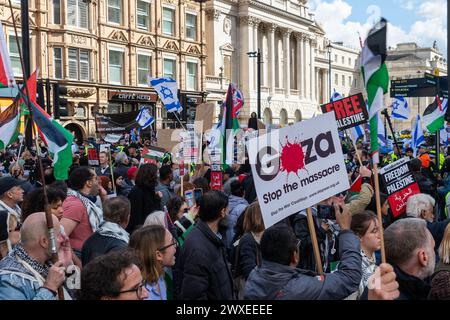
(26, 272)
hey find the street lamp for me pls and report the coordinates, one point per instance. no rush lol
(257, 55)
(329, 47)
(418, 98)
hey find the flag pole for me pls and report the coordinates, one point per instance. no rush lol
(26, 99)
(388, 118)
(354, 146)
(378, 204)
(179, 121)
(112, 171)
(312, 232)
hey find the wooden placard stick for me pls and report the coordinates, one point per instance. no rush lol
(312, 232)
(380, 219)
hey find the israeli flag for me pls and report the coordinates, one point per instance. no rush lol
(381, 134)
(335, 96)
(400, 109)
(167, 89)
(356, 132)
(417, 135)
(144, 118)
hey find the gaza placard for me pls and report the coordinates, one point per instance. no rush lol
(297, 166)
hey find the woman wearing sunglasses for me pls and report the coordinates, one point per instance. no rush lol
(155, 247)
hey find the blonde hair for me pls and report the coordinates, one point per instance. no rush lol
(444, 248)
(145, 242)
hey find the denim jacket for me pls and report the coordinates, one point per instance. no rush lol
(18, 283)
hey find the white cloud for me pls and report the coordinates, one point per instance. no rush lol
(407, 4)
(431, 24)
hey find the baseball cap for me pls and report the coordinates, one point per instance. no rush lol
(7, 183)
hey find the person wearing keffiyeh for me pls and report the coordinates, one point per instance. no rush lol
(26, 273)
(82, 216)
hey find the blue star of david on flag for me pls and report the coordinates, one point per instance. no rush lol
(167, 89)
(400, 109)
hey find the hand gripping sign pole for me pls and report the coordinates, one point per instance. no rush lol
(312, 231)
(48, 214)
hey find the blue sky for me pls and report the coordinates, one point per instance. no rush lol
(421, 21)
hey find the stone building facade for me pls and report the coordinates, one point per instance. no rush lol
(295, 58)
(103, 50)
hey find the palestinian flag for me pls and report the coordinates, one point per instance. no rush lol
(376, 78)
(6, 73)
(57, 138)
(153, 153)
(229, 123)
(9, 122)
(433, 116)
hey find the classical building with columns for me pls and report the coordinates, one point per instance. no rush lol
(295, 58)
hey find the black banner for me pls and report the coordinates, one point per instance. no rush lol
(115, 122)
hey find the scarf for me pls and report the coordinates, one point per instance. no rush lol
(113, 230)
(20, 252)
(95, 214)
(17, 212)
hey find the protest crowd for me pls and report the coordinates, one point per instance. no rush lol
(213, 245)
(130, 223)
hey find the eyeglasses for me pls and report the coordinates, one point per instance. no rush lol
(138, 290)
(174, 243)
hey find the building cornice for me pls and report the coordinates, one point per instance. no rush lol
(279, 12)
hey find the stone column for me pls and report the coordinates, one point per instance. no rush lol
(317, 85)
(298, 67)
(254, 61)
(303, 65)
(246, 42)
(286, 62)
(307, 70)
(313, 43)
(271, 31)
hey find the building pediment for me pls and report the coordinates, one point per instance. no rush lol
(146, 41)
(118, 35)
(227, 47)
(171, 45)
(193, 49)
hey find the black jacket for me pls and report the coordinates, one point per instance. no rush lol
(411, 287)
(143, 202)
(203, 265)
(97, 245)
(249, 255)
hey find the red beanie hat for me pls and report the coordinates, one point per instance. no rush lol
(131, 172)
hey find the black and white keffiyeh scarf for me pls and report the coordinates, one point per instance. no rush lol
(113, 230)
(95, 214)
(20, 252)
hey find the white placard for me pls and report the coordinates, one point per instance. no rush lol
(112, 137)
(297, 166)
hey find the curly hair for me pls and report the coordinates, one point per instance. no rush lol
(147, 176)
(100, 278)
(35, 202)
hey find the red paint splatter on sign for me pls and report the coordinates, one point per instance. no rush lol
(292, 158)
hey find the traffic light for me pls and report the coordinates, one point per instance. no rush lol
(59, 103)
